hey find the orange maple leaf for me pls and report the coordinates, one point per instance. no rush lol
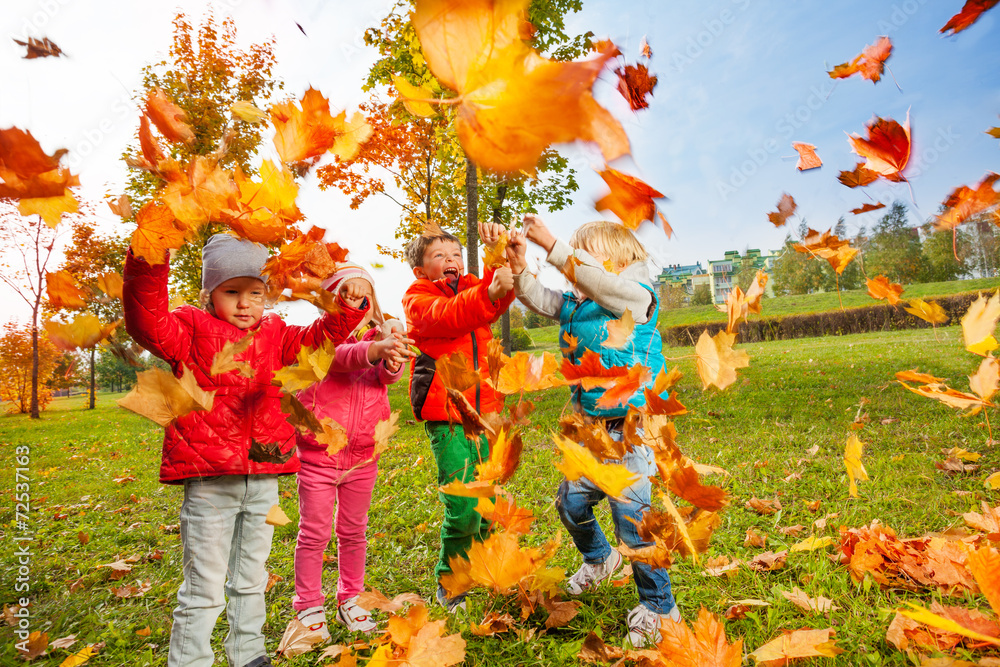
(168, 117)
(807, 156)
(880, 288)
(505, 456)
(512, 102)
(301, 134)
(870, 63)
(28, 172)
(590, 372)
(797, 644)
(717, 361)
(684, 483)
(964, 203)
(950, 397)
(497, 563)
(156, 233)
(63, 291)
(624, 387)
(456, 372)
(866, 208)
(971, 11)
(507, 514)
(704, 644)
(838, 252)
(984, 563)
(755, 293)
(526, 372)
(858, 177)
(630, 199)
(887, 148)
(202, 193)
(786, 207)
(635, 83)
(267, 208)
(40, 48)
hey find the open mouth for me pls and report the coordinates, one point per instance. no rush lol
(451, 273)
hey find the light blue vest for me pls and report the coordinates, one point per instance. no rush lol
(589, 323)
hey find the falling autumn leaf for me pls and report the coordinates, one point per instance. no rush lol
(620, 330)
(979, 323)
(971, 11)
(505, 455)
(929, 311)
(276, 517)
(887, 148)
(512, 103)
(40, 48)
(986, 379)
(28, 172)
(870, 63)
(247, 112)
(852, 461)
(624, 387)
(612, 478)
(267, 208)
(384, 430)
(169, 118)
(160, 396)
(866, 208)
(630, 199)
(837, 252)
(351, 135)
(225, 359)
(50, 209)
(306, 132)
(83, 333)
(374, 599)
(495, 255)
(506, 514)
(797, 644)
(590, 372)
(786, 207)
(635, 84)
(964, 202)
(717, 361)
(880, 288)
(312, 366)
(413, 97)
(860, 176)
(497, 563)
(63, 291)
(807, 156)
(526, 372)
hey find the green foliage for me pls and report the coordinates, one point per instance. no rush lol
(205, 73)
(519, 339)
(534, 320)
(938, 263)
(797, 273)
(673, 296)
(893, 249)
(702, 296)
(113, 373)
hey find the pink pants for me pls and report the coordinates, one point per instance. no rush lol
(320, 489)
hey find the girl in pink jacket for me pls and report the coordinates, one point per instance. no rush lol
(355, 395)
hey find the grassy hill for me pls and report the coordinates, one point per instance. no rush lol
(825, 301)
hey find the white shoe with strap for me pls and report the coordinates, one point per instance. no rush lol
(314, 618)
(589, 576)
(644, 625)
(355, 617)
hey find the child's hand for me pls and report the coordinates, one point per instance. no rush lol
(536, 232)
(489, 232)
(393, 350)
(503, 282)
(354, 291)
(517, 248)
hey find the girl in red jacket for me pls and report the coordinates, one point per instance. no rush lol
(228, 457)
(354, 394)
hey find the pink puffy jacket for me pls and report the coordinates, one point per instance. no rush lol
(354, 394)
(246, 411)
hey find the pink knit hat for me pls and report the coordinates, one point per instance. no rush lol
(346, 271)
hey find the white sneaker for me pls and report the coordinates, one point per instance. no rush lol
(644, 625)
(357, 619)
(589, 576)
(314, 618)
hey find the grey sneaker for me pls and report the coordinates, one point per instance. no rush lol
(644, 625)
(314, 618)
(454, 604)
(356, 618)
(590, 576)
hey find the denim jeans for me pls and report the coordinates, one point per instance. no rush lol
(226, 543)
(576, 501)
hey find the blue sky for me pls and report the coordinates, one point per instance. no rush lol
(739, 80)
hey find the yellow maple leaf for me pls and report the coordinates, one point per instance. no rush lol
(313, 365)
(160, 396)
(852, 461)
(979, 323)
(225, 359)
(49, 208)
(620, 330)
(929, 311)
(84, 332)
(353, 134)
(412, 97)
(579, 462)
(716, 359)
(812, 543)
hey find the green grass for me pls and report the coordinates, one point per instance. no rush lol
(795, 395)
(797, 304)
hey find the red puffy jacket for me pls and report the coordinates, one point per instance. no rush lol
(246, 411)
(441, 320)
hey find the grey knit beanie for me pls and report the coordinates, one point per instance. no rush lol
(225, 256)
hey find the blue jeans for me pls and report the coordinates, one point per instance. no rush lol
(575, 503)
(226, 543)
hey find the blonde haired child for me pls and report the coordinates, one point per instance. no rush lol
(611, 278)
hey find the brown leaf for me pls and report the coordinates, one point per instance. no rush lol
(225, 359)
(786, 208)
(797, 644)
(763, 507)
(160, 396)
(40, 48)
(754, 539)
(768, 561)
(807, 156)
(807, 604)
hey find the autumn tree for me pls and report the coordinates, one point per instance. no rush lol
(205, 73)
(702, 296)
(893, 248)
(795, 272)
(938, 261)
(89, 257)
(27, 362)
(29, 243)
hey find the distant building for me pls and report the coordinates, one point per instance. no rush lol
(684, 276)
(722, 272)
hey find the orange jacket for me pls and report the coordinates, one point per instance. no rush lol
(442, 320)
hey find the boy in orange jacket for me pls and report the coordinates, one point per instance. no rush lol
(446, 311)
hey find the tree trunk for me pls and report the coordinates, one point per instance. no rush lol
(505, 318)
(471, 217)
(93, 385)
(34, 365)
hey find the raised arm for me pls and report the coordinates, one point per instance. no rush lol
(436, 315)
(147, 310)
(328, 327)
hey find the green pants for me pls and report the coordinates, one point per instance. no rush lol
(457, 458)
